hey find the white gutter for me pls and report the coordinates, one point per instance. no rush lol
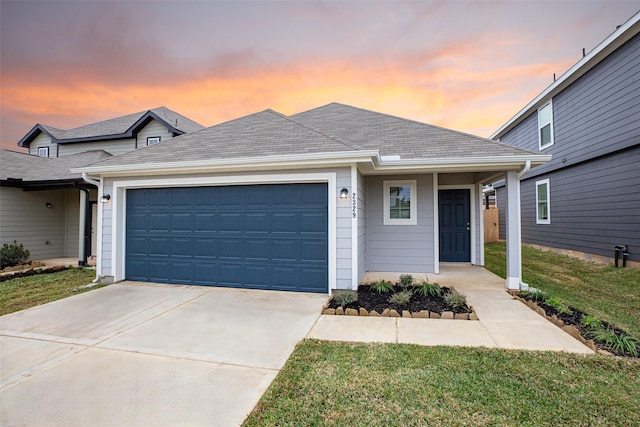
(242, 162)
(524, 170)
(91, 181)
(616, 39)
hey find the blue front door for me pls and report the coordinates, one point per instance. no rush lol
(272, 236)
(455, 225)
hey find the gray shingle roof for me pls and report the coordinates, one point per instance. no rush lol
(119, 126)
(267, 133)
(332, 128)
(33, 168)
(398, 136)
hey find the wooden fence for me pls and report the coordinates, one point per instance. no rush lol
(491, 230)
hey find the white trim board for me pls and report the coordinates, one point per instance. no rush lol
(120, 187)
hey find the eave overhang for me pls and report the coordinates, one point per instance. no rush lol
(368, 161)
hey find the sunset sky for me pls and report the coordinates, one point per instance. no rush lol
(466, 65)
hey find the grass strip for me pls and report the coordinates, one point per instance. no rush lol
(345, 384)
(611, 294)
(25, 292)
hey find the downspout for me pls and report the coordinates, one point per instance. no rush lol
(524, 170)
(95, 182)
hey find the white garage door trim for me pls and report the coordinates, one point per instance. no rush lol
(119, 207)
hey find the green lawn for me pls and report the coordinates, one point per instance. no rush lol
(609, 293)
(346, 384)
(24, 292)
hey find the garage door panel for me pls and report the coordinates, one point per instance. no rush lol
(313, 251)
(258, 236)
(159, 222)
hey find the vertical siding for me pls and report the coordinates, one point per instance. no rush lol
(343, 225)
(399, 248)
(26, 219)
(362, 227)
(593, 206)
(42, 140)
(114, 146)
(154, 128)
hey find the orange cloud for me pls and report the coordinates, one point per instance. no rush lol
(449, 89)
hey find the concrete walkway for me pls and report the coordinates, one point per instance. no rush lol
(504, 321)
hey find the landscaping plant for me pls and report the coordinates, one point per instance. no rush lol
(406, 280)
(429, 289)
(382, 286)
(345, 298)
(455, 299)
(401, 298)
(560, 306)
(12, 254)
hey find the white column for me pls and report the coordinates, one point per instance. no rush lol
(514, 240)
(81, 228)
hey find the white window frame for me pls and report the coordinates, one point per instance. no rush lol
(413, 207)
(541, 125)
(151, 138)
(46, 150)
(548, 219)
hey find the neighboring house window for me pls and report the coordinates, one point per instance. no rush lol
(400, 203)
(43, 151)
(153, 140)
(545, 126)
(543, 210)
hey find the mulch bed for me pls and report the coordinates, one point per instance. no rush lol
(370, 299)
(575, 319)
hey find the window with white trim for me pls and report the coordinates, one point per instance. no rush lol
(400, 203)
(153, 140)
(545, 126)
(543, 202)
(43, 151)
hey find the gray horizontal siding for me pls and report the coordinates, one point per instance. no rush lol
(596, 115)
(594, 206)
(399, 248)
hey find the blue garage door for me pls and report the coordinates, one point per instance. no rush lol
(245, 236)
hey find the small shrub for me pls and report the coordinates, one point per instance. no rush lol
(382, 286)
(455, 299)
(406, 280)
(13, 254)
(345, 298)
(558, 305)
(591, 322)
(622, 343)
(538, 295)
(427, 289)
(401, 298)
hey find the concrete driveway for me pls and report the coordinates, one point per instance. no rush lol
(143, 354)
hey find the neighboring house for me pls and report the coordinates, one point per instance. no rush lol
(115, 136)
(587, 199)
(53, 211)
(308, 202)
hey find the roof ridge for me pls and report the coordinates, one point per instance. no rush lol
(318, 131)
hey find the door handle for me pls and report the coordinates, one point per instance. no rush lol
(468, 226)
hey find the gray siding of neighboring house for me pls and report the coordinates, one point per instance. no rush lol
(593, 206)
(26, 219)
(594, 178)
(343, 223)
(42, 140)
(598, 114)
(362, 225)
(112, 146)
(153, 128)
(400, 248)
